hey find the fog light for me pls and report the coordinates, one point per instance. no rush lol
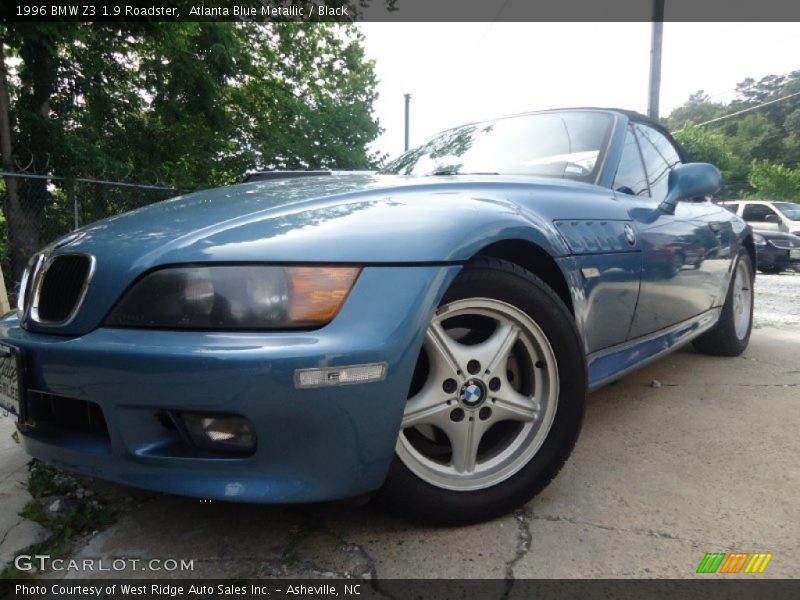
(311, 378)
(226, 433)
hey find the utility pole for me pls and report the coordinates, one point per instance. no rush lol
(408, 107)
(655, 59)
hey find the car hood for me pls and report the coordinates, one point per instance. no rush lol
(778, 235)
(361, 217)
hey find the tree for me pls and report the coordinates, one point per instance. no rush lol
(775, 182)
(792, 139)
(319, 113)
(31, 121)
(697, 109)
(191, 105)
(757, 151)
(705, 145)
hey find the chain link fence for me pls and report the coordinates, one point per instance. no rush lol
(42, 208)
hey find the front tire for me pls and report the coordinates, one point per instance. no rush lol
(496, 402)
(731, 334)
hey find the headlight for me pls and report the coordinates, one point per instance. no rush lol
(759, 240)
(235, 297)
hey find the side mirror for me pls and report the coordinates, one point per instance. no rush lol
(689, 181)
(772, 219)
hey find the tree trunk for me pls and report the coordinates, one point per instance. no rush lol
(12, 206)
(26, 198)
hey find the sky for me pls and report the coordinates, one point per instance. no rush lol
(461, 72)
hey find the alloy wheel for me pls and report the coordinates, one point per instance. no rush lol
(483, 399)
(742, 298)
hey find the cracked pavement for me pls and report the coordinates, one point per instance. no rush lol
(709, 461)
(16, 533)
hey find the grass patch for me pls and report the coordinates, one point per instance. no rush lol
(83, 511)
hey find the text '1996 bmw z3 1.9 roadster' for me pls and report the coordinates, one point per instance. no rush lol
(428, 332)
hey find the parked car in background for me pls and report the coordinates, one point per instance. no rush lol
(776, 251)
(428, 332)
(767, 215)
(672, 253)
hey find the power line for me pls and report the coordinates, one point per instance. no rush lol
(745, 110)
(736, 90)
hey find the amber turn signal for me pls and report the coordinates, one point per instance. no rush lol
(318, 293)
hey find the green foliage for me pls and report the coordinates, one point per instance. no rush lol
(758, 152)
(756, 137)
(44, 480)
(706, 145)
(191, 104)
(83, 513)
(697, 109)
(776, 182)
(792, 139)
(318, 114)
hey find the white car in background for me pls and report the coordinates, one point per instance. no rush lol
(767, 215)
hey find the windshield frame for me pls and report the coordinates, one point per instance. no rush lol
(593, 176)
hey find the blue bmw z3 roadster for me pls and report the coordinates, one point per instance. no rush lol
(428, 332)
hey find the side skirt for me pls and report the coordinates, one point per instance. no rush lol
(612, 363)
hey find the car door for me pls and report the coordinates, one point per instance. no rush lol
(683, 262)
(760, 216)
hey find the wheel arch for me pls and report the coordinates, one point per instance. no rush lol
(751, 250)
(535, 259)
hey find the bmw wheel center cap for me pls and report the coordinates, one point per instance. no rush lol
(473, 392)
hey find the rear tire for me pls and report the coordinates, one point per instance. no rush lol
(496, 402)
(731, 334)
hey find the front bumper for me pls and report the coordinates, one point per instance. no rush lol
(313, 444)
(772, 256)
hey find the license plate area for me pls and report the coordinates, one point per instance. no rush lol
(11, 379)
(794, 253)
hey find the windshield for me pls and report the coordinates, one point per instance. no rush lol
(558, 144)
(789, 210)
